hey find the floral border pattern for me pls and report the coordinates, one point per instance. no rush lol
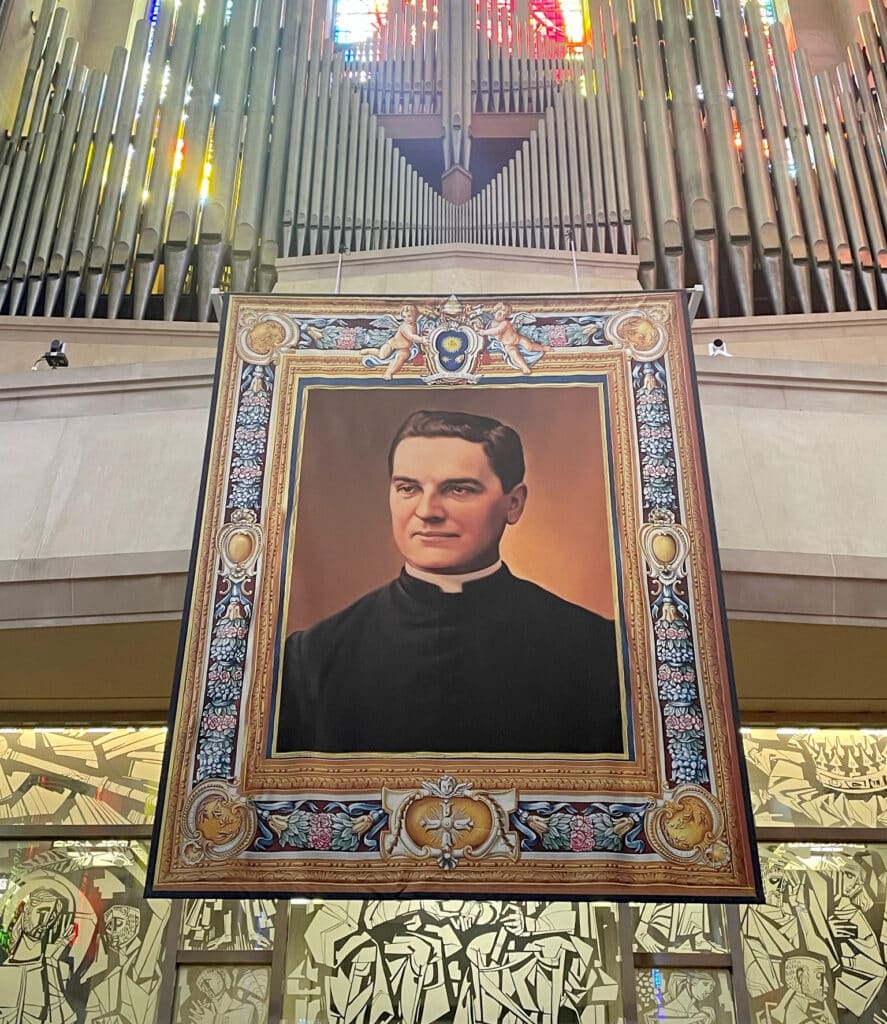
(595, 826)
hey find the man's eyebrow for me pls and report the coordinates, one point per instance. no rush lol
(462, 480)
(449, 482)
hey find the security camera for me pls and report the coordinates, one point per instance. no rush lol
(55, 357)
(717, 347)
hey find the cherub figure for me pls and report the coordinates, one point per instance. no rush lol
(515, 346)
(402, 341)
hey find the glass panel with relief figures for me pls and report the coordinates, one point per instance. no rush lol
(684, 996)
(77, 940)
(221, 995)
(679, 928)
(816, 951)
(817, 778)
(424, 961)
(228, 924)
(79, 776)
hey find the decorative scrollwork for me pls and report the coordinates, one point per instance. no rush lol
(219, 823)
(688, 827)
(239, 544)
(642, 333)
(263, 337)
(449, 821)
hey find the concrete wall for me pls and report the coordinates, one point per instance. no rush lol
(823, 28)
(98, 26)
(102, 468)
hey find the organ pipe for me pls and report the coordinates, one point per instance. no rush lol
(230, 135)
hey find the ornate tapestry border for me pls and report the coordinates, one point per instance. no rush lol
(671, 821)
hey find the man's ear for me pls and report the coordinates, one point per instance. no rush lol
(517, 500)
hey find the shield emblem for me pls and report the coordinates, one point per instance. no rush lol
(454, 352)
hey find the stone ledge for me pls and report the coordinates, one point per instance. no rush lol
(144, 586)
(714, 374)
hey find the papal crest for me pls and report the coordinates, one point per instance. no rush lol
(452, 354)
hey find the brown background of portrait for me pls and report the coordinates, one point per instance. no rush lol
(343, 546)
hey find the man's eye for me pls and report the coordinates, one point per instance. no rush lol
(405, 488)
(460, 490)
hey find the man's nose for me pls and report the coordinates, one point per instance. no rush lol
(429, 506)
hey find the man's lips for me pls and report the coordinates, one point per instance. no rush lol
(434, 535)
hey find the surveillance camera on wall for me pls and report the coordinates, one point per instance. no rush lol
(717, 347)
(55, 357)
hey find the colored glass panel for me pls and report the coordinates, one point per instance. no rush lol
(79, 776)
(78, 942)
(685, 995)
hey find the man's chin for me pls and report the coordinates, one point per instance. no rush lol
(441, 568)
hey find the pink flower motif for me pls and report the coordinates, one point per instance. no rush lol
(581, 834)
(320, 832)
(557, 336)
(347, 338)
(219, 723)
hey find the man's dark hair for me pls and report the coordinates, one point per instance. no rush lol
(501, 443)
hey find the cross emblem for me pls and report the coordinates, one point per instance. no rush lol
(447, 825)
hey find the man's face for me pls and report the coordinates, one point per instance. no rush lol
(448, 509)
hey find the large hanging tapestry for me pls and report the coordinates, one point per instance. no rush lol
(454, 624)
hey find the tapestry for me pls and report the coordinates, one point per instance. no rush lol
(454, 622)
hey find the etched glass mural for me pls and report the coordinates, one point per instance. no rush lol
(228, 924)
(684, 996)
(421, 961)
(79, 776)
(818, 778)
(221, 995)
(816, 950)
(78, 943)
(679, 928)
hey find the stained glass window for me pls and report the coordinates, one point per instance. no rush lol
(818, 778)
(767, 7)
(684, 996)
(79, 776)
(356, 21)
(815, 951)
(78, 942)
(439, 960)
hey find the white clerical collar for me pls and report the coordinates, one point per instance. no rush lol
(451, 584)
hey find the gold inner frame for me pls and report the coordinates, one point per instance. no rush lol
(537, 778)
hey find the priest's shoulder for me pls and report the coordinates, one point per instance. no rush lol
(359, 615)
(538, 599)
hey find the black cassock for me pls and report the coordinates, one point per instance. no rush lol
(503, 667)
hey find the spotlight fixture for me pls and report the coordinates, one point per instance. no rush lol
(55, 357)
